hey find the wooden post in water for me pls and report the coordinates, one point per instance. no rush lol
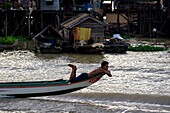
(149, 21)
(42, 25)
(168, 7)
(29, 24)
(29, 17)
(118, 23)
(6, 23)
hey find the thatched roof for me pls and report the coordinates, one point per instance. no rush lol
(49, 31)
(79, 19)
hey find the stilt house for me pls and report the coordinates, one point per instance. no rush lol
(83, 27)
(48, 40)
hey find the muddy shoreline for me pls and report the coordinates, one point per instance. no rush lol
(162, 42)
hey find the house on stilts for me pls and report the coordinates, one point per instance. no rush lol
(82, 31)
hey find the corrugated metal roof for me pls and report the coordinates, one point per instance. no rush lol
(45, 29)
(79, 19)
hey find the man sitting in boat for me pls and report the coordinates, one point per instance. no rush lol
(117, 39)
(103, 69)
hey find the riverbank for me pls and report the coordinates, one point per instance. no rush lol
(151, 41)
(160, 42)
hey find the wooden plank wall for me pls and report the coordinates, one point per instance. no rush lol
(97, 29)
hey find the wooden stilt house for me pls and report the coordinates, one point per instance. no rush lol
(82, 31)
(48, 40)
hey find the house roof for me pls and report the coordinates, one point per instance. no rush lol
(79, 19)
(46, 30)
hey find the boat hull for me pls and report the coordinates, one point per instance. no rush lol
(48, 50)
(116, 48)
(42, 88)
(38, 94)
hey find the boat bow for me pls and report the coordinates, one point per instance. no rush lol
(44, 88)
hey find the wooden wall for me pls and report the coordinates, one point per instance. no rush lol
(46, 5)
(112, 18)
(97, 32)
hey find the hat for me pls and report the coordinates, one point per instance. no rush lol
(117, 36)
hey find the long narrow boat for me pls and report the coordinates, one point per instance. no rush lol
(43, 88)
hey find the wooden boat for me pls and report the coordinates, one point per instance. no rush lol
(116, 48)
(88, 49)
(43, 50)
(96, 48)
(43, 88)
(114, 45)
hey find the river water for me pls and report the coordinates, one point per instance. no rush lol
(140, 82)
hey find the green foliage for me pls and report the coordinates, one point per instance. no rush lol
(146, 48)
(1, 40)
(21, 38)
(1, 49)
(9, 40)
(6, 5)
(126, 37)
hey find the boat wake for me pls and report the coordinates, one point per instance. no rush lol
(115, 102)
(112, 97)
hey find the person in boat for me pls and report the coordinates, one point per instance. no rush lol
(117, 39)
(103, 69)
